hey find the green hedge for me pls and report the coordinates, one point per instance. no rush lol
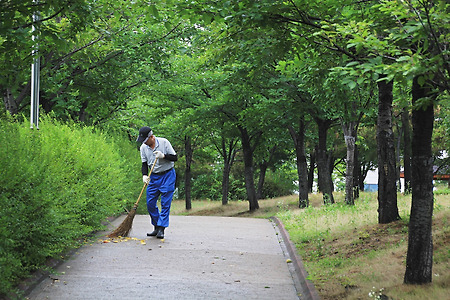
(57, 184)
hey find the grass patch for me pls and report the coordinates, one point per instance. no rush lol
(347, 254)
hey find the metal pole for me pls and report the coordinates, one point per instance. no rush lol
(35, 76)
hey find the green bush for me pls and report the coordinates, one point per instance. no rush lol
(277, 184)
(207, 186)
(57, 184)
(442, 192)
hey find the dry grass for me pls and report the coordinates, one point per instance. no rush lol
(267, 208)
(372, 258)
(346, 252)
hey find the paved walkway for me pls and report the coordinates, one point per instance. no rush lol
(200, 258)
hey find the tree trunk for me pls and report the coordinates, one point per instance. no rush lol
(187, 173)
(364, 169)
(263, 166)
(356, 175)
(12, 104)
(312, 166)
(9, 102)
(419, 259)
(248, 169)
(350, 141)
(228, 153)
(323, 163)
(397, 157)
(225, 183)
(302, 168)
(262, 176)
(330, 161)
(387, 190)
(406, 150)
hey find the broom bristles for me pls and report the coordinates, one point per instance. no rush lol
(124, 228)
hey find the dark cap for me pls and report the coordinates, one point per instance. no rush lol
(144, 133)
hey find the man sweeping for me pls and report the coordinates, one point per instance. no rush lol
(161, 181)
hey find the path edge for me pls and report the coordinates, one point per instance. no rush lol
(309, 291)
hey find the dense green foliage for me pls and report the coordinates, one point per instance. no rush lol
(57, 185)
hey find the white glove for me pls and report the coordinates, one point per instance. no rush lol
(158, 154)
(145, 178)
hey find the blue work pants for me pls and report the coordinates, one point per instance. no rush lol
(164, 186)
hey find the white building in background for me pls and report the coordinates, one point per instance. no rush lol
(371, 182)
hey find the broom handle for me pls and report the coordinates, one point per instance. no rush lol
(145, 184)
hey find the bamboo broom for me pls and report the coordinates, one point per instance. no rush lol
(125, 227)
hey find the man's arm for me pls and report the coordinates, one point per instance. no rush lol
(171, 157)
(144, 168)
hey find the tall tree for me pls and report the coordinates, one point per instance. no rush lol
(271, 154)
(298, 136)
(325, 183)
(357, 100)
(387, 191)
(188, 152)
(228, 150)
(227, 145)
(350, 131)
(421, 56)
(419, 259)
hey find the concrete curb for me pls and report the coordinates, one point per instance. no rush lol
(308, 291)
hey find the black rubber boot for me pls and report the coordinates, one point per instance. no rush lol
(154, 232)
(160, 234)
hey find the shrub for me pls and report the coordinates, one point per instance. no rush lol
(442, 192)
(207, 186)
(278, 184)
(57, 184)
